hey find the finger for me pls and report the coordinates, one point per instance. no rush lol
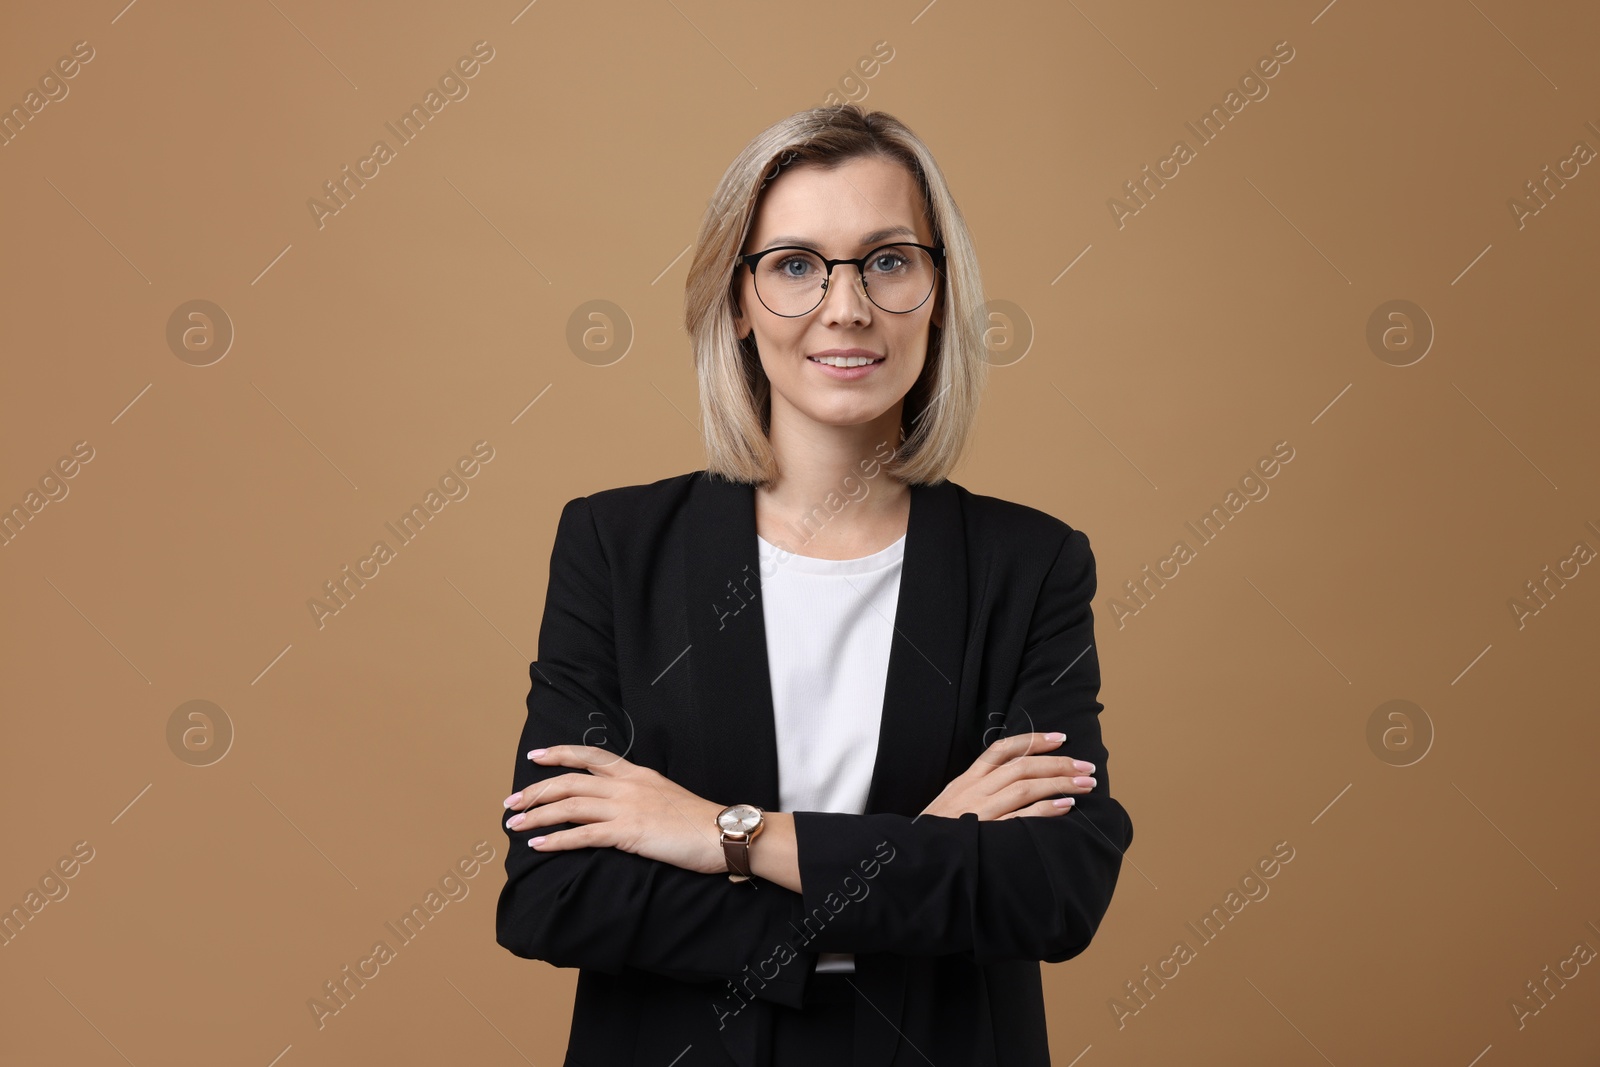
(1020, 794)
(1042, 808)
(590, 757)
(1053, 767)
(1009, 748)
(1060, 763)
(587, 836)
(560, 787)
(562, 756)
(572, 809)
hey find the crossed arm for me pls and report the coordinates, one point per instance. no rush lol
(1019, 888)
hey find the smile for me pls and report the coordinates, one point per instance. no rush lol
(845, 361)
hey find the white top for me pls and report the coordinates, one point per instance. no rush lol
(830, 625)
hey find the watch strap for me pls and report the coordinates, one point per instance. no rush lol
(737, 851)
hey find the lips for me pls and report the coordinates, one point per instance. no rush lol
(856, 373)
(814, 359)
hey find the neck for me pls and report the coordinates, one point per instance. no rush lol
(833, 476)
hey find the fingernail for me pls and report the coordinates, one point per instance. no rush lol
(1088, 783)
(536, 753)
(1064, 802)
(510, 800)
(1086, 768)
(511, 823)
(536, 842)
(1055, 737)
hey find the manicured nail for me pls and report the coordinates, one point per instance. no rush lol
(1055, 737)
(536, 753)
(510, 800)
(511, 823)
(536, 842)
(1086, 768)
(1064, 802)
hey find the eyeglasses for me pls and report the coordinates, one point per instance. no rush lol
(898, 278)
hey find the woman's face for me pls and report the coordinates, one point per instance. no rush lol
(848, 210)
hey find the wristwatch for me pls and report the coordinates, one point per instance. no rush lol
(738, 825)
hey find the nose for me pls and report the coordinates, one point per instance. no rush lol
(853, 305)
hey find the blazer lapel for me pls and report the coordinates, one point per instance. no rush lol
(930, 625)
(734, 737)
(728, 658)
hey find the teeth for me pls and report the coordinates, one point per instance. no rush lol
(844, 361)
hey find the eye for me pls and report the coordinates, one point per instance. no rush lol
(888, 262)
(795, 266)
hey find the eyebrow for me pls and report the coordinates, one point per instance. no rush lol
(872, 238)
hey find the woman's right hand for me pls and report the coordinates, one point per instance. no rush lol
(1009, 780)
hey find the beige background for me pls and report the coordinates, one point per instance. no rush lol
(1231, 312)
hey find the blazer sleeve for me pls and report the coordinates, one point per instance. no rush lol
(1033, 887)
(603, 908)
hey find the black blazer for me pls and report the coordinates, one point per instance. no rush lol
(653, 644)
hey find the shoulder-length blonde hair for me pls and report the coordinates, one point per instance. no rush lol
(735, 393)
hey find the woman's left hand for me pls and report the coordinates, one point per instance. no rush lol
(620, 805)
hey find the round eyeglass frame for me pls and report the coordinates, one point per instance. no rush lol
(935, 252)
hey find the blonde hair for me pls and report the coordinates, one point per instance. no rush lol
(735, 393)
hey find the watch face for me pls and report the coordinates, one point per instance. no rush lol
(739, 819)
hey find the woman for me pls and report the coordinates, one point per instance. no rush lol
(795, 782)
